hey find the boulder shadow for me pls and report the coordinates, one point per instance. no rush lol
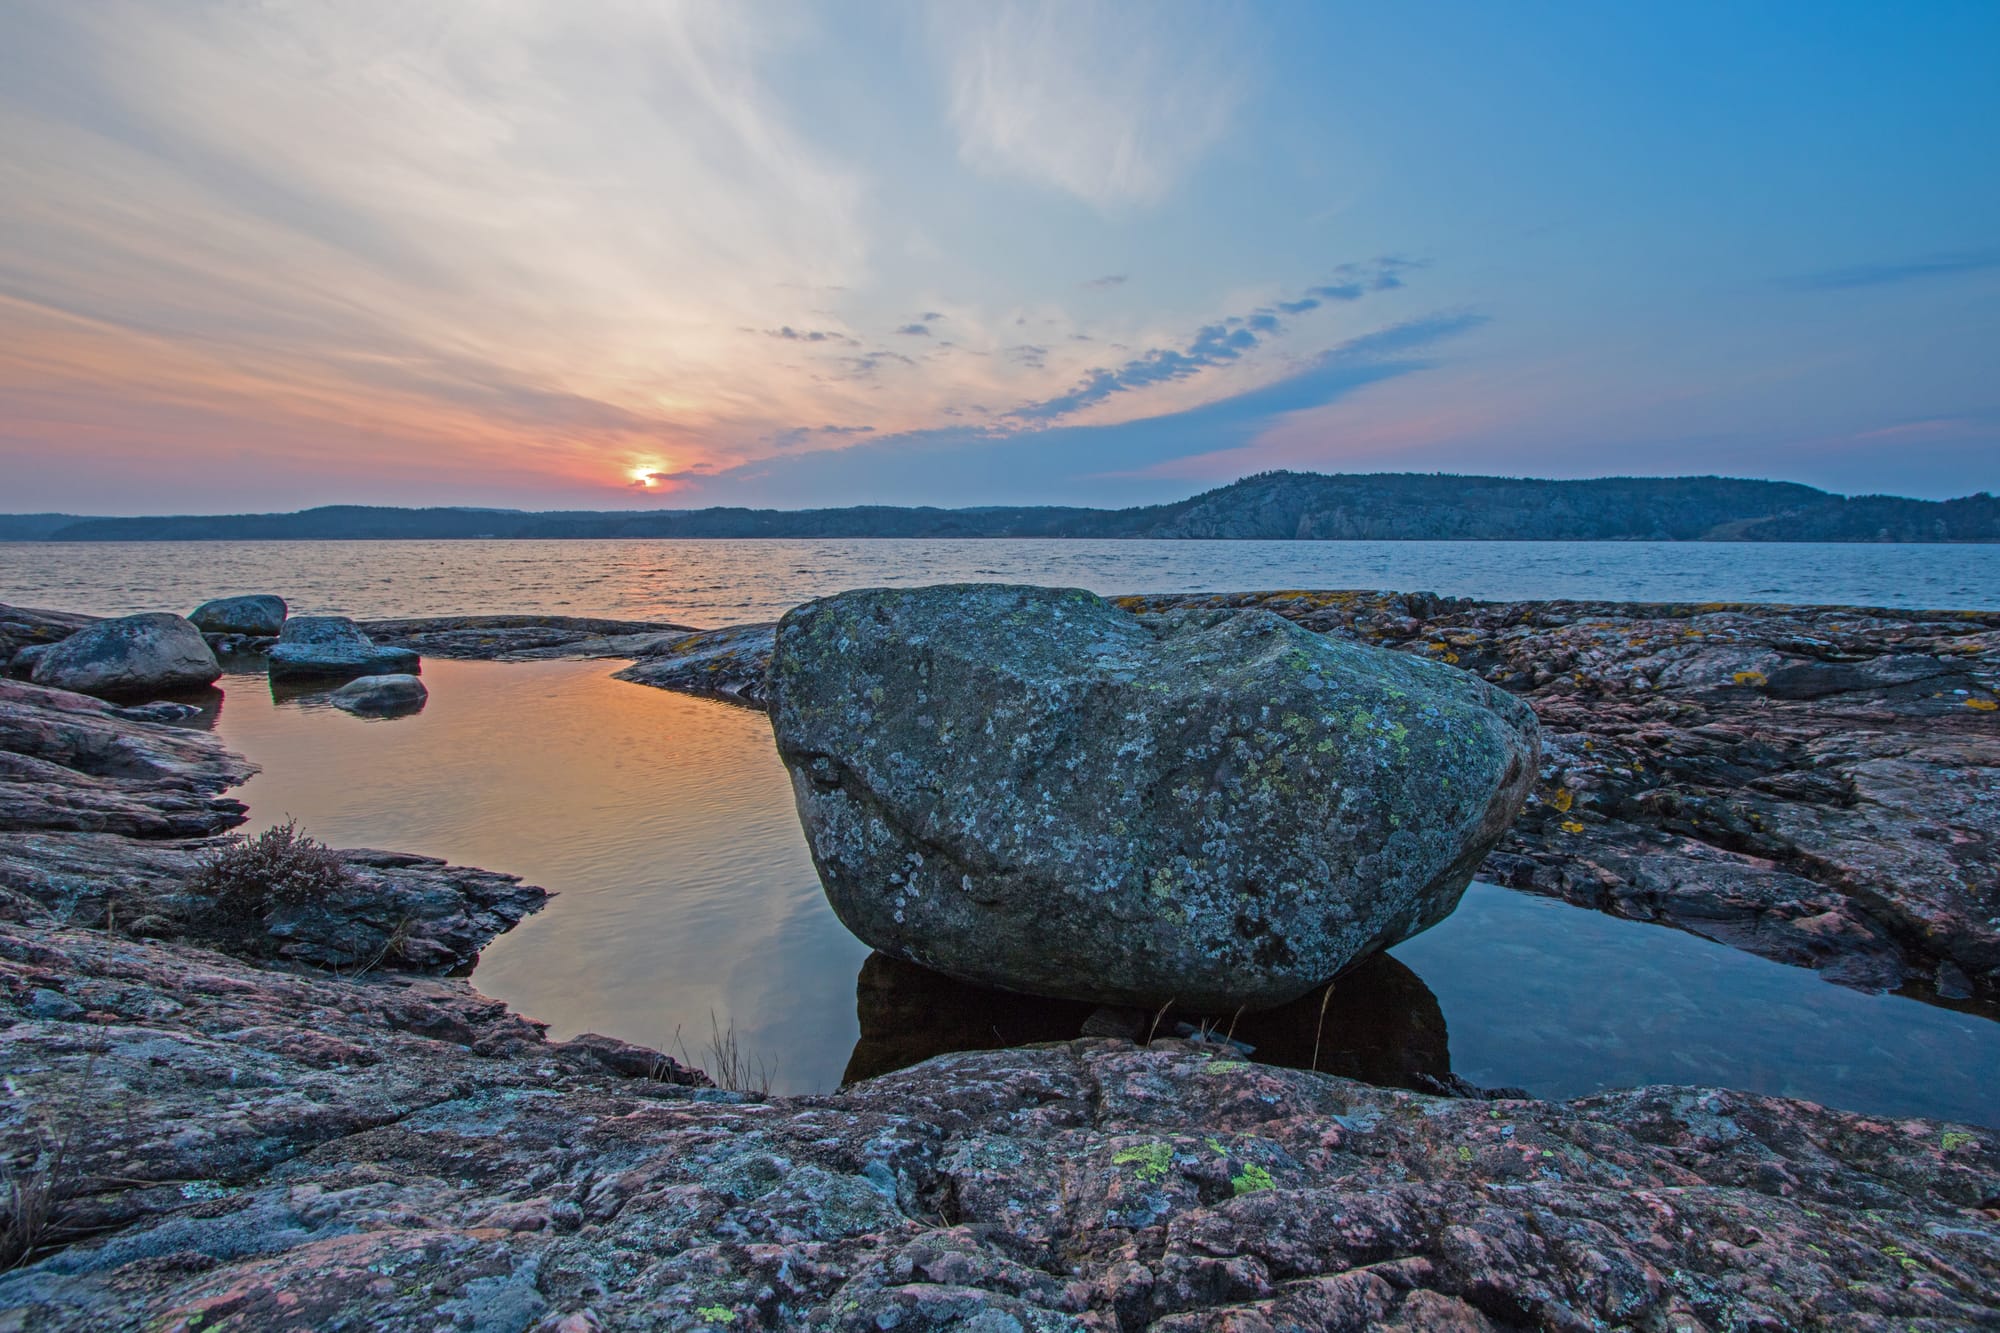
(1377, 1022)
(909, 1014)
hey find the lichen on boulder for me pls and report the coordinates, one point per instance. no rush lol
(1029, 788)
(128, 658)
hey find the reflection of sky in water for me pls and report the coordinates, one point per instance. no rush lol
(729, 582)
(666, 824)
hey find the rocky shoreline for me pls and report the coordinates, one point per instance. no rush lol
(1816, 785)
(247, 1146)
(320, 1128)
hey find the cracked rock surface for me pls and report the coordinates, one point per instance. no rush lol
(254, 1148)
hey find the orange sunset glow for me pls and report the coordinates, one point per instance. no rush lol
(267, 256)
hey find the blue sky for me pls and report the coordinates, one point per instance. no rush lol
(603, 254)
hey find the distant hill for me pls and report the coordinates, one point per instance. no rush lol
(1283, 506)
(33, 527)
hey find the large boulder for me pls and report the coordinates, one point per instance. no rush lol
(330, 646)
(261, 615)
(1029, 788)
(382, 695)
(129, 657)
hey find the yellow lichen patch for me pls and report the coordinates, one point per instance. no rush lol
(1564, 798)
(1750, 678)
(1152, 1161)
(1983, 705)
(1571, 826)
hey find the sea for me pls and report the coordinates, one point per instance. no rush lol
(687, 908)
(721, 582)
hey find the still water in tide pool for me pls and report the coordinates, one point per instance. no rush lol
(709, 583)
(665, 824)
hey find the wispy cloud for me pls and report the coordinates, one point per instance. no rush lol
(595, 200)
(1108, 280)
(1082, 462)
(915, 330)
(790, 334)
(1897, 271)
(1351, 282)
(1222, 342)
(1111, 102)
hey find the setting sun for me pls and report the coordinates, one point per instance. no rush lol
(644, 474)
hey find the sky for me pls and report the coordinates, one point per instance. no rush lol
(630, 253)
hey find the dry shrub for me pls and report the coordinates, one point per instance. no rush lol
(33, 1199)
(280, 867)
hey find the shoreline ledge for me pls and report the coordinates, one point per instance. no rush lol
(1817, 785)
(204, 1139)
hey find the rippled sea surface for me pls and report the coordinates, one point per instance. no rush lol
(686, 895)
(709, 583)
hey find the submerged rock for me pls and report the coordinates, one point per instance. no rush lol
(519, 638)
(381, 694)
(334, 646)
(1028, 788)
(129, 656)
(259, 615)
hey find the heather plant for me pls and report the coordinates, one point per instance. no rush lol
(245, 882)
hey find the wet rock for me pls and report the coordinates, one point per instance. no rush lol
(332, 646)
(1027, 788)
(381, 695)
(131, 656)
(259, 615)
(160, 711)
